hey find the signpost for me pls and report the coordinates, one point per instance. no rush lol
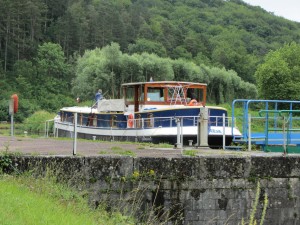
(11, 113)
(13, 108)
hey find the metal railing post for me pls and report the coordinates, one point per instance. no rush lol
(75, 135)
(178, 122)
(224, 140)
(249, 132)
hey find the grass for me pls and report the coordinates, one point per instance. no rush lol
(161, 145)
(116, 148)
(25, 200)
(5, 129)
(102, 152)
(192, 153)
(121, 151)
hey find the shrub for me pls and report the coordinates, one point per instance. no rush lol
(36, 122)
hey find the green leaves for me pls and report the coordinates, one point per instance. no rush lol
(36, 122)
(278, 77)
(108, 68)
(147, 46)
(51, 61)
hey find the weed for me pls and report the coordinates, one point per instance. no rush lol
(252, 220)
(102, 152)
(6, 163)
(34, 154)
(128, 153)
(291, 196)
(121, 151)
(253, 179)
(116, 148)
(42, 201)
(192, 153)
(163, 145)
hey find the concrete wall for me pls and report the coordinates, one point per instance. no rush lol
(190, 190)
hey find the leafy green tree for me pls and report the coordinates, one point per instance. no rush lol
(144, 45)
(51, 61)
(181, 52)
(21, 25)
(155, 67)
(26, 73)
(99, 68)
(53, 76)
(188, 71)
(90, 75)
(131, 68)
(279, 76)
(112, 55)
(224, 85)
(109, 67)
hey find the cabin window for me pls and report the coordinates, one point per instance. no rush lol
(155, 94)
(176, 94)
(195, 93)
(142, 94)
(129, 94)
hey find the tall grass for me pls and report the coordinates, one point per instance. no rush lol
(26, 200)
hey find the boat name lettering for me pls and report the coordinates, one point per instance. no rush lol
(215, 131)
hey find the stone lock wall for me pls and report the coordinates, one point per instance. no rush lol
(187, 190)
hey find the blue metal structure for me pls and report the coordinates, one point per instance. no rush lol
(272, 135)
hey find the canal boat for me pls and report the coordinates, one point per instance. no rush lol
(149, 111)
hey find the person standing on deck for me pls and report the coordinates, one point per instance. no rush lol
(98, 96)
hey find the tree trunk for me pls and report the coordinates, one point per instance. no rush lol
(6, 43)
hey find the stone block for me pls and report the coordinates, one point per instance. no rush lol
(191, 215)
(209, 204)
(277, 183)
(240, 194)
(235, 204)
(198, 204)
(222, 183)
(208, 215)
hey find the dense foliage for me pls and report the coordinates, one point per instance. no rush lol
(279, 76)
(214, 41)
(108, 68)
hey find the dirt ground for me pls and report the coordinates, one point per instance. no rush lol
(64, 147)
(52, 146)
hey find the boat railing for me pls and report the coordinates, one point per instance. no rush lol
(148, 122)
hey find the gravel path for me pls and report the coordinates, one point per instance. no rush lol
(64, 147)
(52, 146)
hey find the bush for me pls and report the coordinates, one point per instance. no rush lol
(36, 122)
